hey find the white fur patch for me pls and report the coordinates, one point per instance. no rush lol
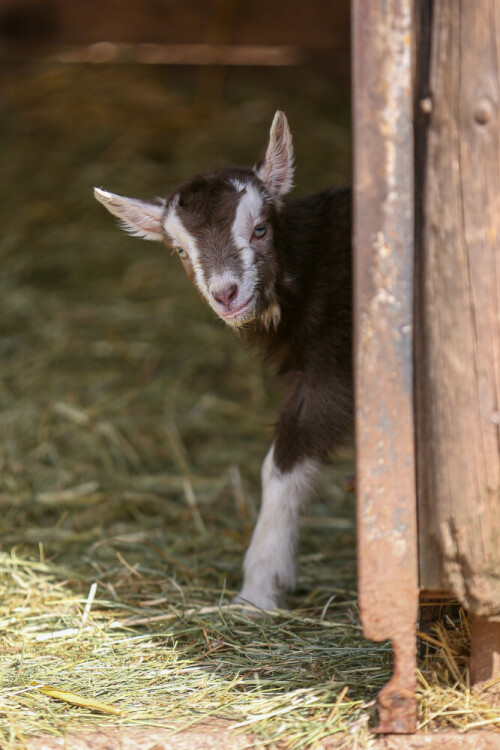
(270, 559)
(180, 236)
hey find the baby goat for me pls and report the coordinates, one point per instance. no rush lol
(278, 271)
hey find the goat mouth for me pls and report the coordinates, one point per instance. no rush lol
(234, 314)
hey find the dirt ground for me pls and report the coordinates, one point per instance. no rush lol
(218, 737)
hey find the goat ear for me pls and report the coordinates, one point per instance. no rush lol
(276, 168)
(140, 218)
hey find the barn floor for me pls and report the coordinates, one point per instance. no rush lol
(133, 427)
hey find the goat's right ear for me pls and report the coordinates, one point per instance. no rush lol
(140, 218)
(276, 168)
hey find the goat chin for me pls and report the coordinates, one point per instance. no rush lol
(268, 319)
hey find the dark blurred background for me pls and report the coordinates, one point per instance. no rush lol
(319, 28)
(114, 375)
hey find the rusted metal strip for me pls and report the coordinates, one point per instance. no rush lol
(384, 227)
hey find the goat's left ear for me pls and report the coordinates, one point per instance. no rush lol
(140, 218)
(276, 168)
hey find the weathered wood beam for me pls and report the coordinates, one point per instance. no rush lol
(458, 362)
(383, 239)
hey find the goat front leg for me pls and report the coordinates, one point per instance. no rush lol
(269, 567)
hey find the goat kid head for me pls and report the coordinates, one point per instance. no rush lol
(222, 224)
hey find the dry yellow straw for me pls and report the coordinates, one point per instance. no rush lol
(77, 700)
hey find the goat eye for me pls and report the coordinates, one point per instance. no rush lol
(259, 231)
(182, 253)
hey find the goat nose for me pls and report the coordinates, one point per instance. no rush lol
(226, 296)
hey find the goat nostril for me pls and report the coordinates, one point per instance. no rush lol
(226, 296)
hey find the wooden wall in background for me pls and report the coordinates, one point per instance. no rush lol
(319, 27)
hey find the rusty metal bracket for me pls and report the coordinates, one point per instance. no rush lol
(383, 239)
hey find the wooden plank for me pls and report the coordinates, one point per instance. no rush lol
(182, 54)
(383, 234)
(458, 373)
(485, 654)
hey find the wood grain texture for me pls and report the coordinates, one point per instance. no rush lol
(458, 371)
(385, 480)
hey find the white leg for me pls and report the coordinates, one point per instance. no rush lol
(270, 559)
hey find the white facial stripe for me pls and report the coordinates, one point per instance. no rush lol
(248, 258)
(248, 213)
(180, 236)
(178, 232)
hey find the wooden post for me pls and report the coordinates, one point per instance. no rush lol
(458, 309)
(383, 239)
